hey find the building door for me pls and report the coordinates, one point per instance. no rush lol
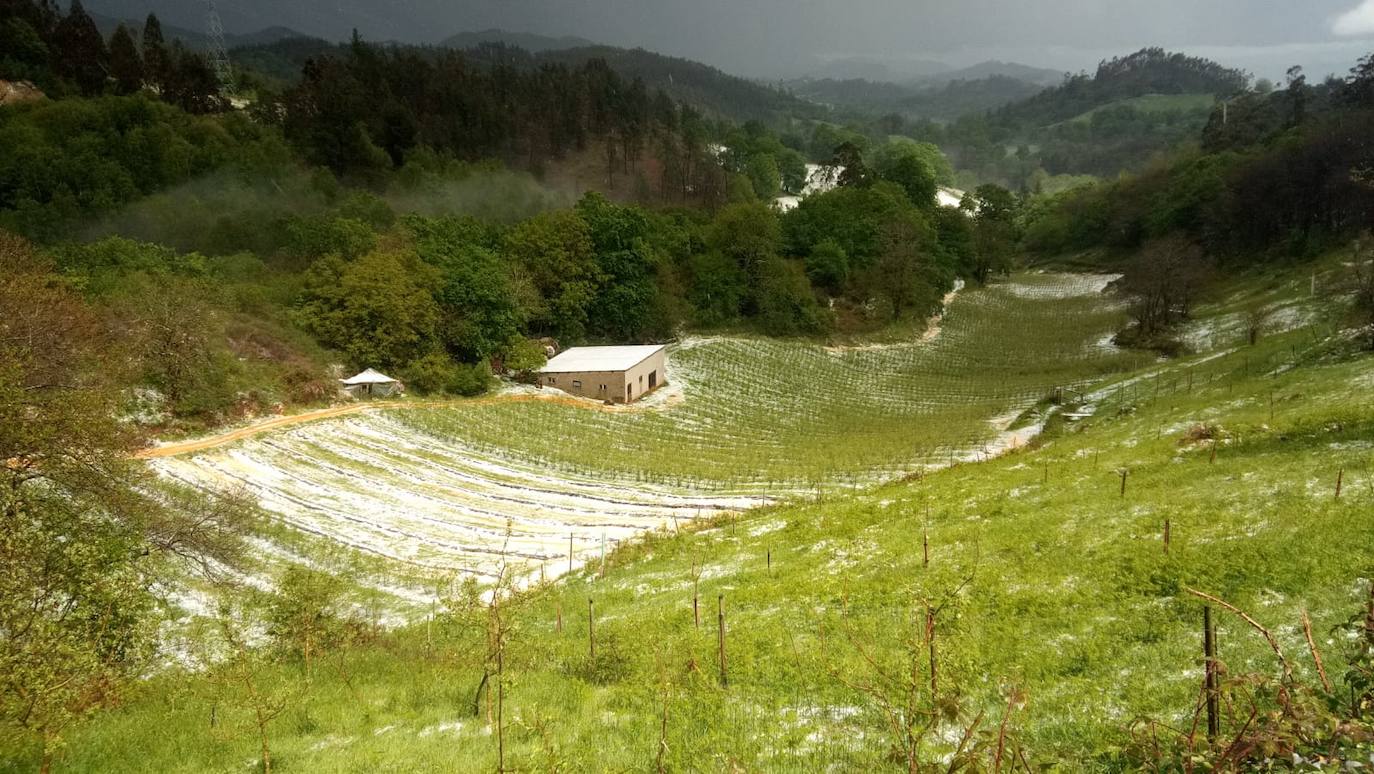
(629, 391)
(653, 379)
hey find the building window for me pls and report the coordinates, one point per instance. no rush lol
(577, 385)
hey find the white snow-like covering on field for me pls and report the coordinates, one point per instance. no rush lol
(1043, 287)
(743, 422)
(377, 486)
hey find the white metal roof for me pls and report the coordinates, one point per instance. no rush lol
(584, 359)
(368, 377)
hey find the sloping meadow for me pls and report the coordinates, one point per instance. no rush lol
(1037, 604)
(749, 421)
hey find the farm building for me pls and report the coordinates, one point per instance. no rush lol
(371, 383)
(616, 374)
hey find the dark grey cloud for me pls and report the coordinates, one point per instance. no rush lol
(774, 38)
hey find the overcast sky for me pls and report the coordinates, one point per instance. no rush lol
(778, 38)
(767, 37)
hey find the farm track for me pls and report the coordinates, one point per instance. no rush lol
(276, 423)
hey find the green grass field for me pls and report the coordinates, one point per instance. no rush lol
(1155, 103)
(1052, 587)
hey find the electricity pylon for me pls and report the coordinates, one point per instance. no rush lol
(215, 48)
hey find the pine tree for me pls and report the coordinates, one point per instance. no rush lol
(125, 64)
(156, 64)
(191, 83)
(81, 55)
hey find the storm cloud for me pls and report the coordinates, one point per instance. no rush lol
(782, 38)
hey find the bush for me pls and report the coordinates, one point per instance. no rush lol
(436, 374)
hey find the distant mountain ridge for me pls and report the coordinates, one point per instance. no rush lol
(195, 38)
(1040, 76)
(1145, 72)
(702, 86)
(942, 97)
(531, 42)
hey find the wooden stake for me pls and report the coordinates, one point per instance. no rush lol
(1124, 471)
(1316, 655)
(500, 708)
(1168, 530)
(930, 643)
(1209, 652)
(925, 549)
(558, 622)
(591, 631)
(1213, 459)
(1340, 475)
(770, 562)
(720, 622)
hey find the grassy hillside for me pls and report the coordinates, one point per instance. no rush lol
(1054, 596)
(1155, 103)
(742, 421)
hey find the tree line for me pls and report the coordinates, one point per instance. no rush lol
(66, 54)
(1278, 171)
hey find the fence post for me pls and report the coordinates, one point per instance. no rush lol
(1340, 475)
(720, 622)
(930, 643)
(1168, 530)
(591, 632)
(1209, 652)
(1124, 471)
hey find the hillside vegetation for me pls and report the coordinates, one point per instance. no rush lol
(1064, 630)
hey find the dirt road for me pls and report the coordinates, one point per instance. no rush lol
(276, 423)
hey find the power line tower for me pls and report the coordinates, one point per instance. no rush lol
(215, 48)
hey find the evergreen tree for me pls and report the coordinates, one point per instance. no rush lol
(155, 59)
(81, 54)
(190, 83)
(125, 64)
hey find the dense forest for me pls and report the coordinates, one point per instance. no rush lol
(1283, 171)
(386, 211)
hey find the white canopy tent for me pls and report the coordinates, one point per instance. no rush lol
(370, 383)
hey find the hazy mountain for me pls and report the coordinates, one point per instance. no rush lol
(936, 100)
(1038, 76)
(704, 87)
(526, 40)
(195, 37)
(877, 70)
